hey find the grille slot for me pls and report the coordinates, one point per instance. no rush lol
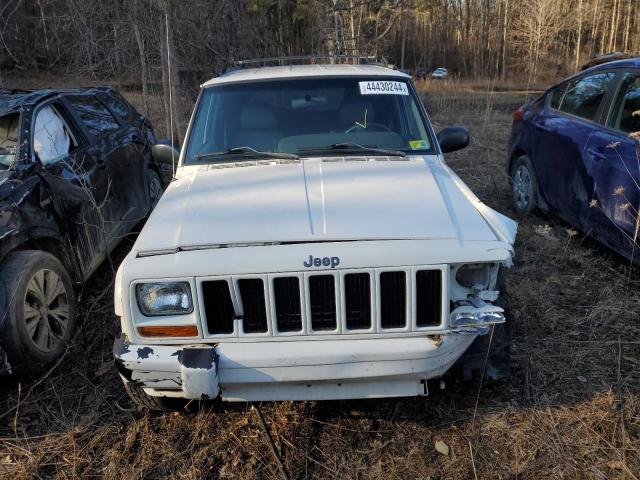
(322, 300)
(253, 305)
(218, 307)
(286, 294)
(357, 300)
(393, 299)
(428, 298)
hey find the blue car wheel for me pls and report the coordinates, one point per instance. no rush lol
(524, 186)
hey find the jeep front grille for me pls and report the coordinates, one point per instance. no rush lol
(402, 299)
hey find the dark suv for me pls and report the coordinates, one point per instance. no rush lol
(76, 175)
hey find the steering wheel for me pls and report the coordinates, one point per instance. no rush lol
(377, 127)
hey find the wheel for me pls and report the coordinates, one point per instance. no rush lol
(155, 188)
(37, 295)
(524, 186)
(148, 402)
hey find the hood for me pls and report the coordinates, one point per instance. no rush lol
(313, 200)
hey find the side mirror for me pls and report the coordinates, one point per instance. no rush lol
(165, 153)
(453, 138)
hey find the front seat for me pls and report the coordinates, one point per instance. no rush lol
(258, 128)
(8, 132)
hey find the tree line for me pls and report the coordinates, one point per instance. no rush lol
(139, 40)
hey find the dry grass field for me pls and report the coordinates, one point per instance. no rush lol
(570, 410)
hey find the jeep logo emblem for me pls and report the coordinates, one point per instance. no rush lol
(332, 262)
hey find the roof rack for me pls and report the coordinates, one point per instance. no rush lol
(302, 60)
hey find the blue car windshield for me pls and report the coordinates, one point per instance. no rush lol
(295, 116)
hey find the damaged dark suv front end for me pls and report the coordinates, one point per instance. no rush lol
(76, 175)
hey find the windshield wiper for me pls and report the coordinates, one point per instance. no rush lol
(350, 147)
(245, 152)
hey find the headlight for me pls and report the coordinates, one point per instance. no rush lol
(473, 274)
(164, 298)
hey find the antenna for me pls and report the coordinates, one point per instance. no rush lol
(173, 160)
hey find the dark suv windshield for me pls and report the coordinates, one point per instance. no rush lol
(303, 115)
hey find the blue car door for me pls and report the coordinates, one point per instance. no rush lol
(612, 158)
(562, 130)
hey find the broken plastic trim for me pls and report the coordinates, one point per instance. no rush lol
(475, 319)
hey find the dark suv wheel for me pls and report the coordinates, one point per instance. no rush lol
(37, 298)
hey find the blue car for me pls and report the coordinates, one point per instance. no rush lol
(575, 152)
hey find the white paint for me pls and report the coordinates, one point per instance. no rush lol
(313, 200)
(370, 368)
(304, 71)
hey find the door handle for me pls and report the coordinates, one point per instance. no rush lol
(596, 154)
(102, 164)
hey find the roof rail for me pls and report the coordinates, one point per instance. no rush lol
(301, 60)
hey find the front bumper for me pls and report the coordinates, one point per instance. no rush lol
(291, 370)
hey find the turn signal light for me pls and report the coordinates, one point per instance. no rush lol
(518, 115)
(169, 331)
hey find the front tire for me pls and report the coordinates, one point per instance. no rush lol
(37, 296)
(524, 186)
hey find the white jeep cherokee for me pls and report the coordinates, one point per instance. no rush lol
(313, 245)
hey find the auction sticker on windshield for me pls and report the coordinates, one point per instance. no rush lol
(380, 87)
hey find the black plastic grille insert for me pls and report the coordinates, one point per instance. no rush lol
(218, 307)
(393, 299)
(428, 298)
(286, 294)
(254, 319)
(357, 300)
(322, 300)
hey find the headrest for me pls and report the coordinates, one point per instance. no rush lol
(9, 128)
(352, 111)
(258, 116)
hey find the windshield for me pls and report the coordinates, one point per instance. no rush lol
(308, 115)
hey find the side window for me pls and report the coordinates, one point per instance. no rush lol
(116, 105)
(582, 97)
(53, 139)
(626, 111)
(556, 96)
(93, 114)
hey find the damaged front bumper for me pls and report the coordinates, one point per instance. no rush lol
(291, 370)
